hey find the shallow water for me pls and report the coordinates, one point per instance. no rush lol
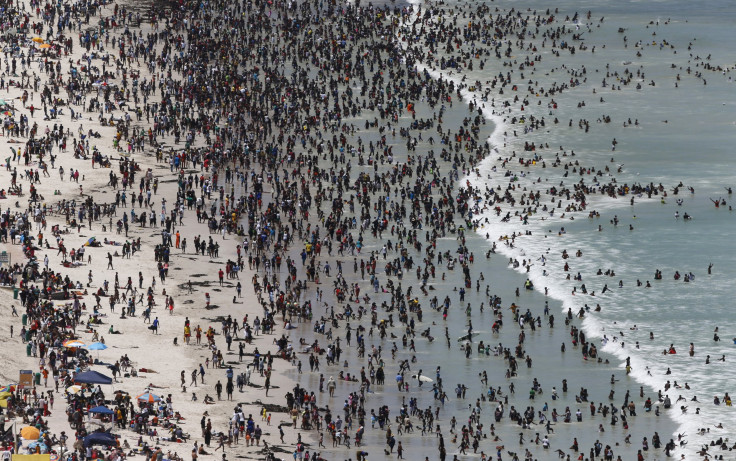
(693, 147)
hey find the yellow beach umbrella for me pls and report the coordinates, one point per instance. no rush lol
(45, 46)
(30, 433)
(73, 389)
(37, 39)
(4, 399)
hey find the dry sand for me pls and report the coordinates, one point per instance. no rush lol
(146, 350)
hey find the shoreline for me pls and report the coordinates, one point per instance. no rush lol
(304, 211)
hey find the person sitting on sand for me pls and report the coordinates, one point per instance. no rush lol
(209, 400)
(113, 331)
(179, 434)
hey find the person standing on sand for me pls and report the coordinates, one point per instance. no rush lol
(208, 433)
(331, 385)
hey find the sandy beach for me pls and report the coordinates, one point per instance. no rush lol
(265, 239)
(92, 143)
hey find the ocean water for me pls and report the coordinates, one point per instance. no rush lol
(685, 134)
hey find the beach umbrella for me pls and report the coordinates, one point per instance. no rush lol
(32, 447)
(30, 433)
(37, 39)
(73, 389)
(8, 113)
(74, 343)
(96, 347)
(45, 46)
(4, 399)
(148, 397)
(90, 241)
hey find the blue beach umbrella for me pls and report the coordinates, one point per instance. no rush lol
(96, 347)
(32, 447)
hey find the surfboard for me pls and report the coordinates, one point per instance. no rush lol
(424, 379)
(467, 337)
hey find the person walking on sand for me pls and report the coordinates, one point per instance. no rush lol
(221, 444)
(154, 326)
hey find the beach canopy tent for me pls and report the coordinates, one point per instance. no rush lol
(100, 438)
(102, 410)
(92, 377)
